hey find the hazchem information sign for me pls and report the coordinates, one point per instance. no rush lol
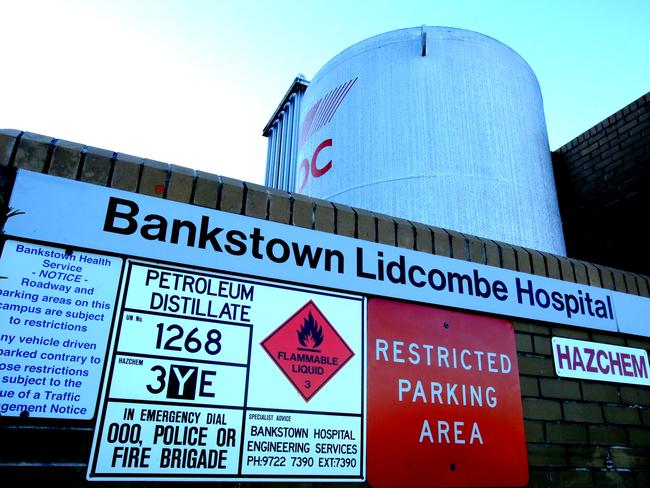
(214, 377)
(56, 308)
(600, 362)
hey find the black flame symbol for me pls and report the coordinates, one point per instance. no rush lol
(310, 334)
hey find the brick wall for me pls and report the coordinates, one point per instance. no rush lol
(603, 181)
(579, 433)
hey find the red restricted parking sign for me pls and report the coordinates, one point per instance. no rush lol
(444, 403)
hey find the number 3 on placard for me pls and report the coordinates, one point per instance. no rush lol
(162, 373)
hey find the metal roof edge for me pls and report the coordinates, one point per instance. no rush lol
(299, 83)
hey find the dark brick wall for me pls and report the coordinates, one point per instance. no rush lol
(579, 433)
(603, 181)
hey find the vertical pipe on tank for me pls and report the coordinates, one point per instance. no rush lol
(286, 146)
(269, 162)
(287, 154)
(288, 166)
(276, 161)
(281, 143)
(294, 140)
(283, 147)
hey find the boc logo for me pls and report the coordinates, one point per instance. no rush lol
(311, 167)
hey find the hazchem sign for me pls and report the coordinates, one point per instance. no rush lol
(192, 390)
(444, 405)
(600, 362)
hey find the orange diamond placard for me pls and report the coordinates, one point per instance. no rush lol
(308, 350)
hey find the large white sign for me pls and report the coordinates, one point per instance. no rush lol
(600, 362)
(137, 225)
(56, 309)
(213, 377)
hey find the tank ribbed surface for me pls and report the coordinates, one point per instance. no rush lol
(436, 125)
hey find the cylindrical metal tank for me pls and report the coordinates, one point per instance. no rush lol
(436, 125)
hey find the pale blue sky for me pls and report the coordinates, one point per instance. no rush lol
(193, 82)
